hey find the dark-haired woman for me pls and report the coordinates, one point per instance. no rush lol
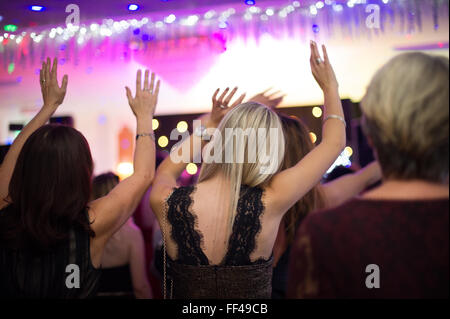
(51, 236)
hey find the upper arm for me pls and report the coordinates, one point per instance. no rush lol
(162, 186)
(290, 185)
(110, 212)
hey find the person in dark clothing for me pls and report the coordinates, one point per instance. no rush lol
(393, 241)
(51, 236)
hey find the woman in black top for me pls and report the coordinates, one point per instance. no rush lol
(51, 236)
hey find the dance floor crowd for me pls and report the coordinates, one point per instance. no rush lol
(260, 221)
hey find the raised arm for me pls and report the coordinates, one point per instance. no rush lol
(271, 100)
(110, 212)
(288, 186)
(53, 96)
(169, 170)
(350, 185)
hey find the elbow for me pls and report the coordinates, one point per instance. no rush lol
(145, 177)
(149, 177)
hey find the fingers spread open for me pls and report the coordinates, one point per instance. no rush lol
(274, 93)
(230, 96)
(214, 98)
(264, 92)
(223, 95)
(239, 100)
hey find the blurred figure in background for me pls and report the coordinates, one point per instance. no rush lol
(145, 219)
(124, 269)
(393, 241)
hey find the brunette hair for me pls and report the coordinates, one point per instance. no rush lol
(103, 184)
(298, 144)
(49, 189)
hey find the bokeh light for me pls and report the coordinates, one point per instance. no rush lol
(317, 111)
(125, 169)
(348, 151)
(191, 168)
(182, 126)
(155, 124)
(163, 141)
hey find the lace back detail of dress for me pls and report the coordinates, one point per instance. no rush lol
(183, 224)
(246, 227)
(242, 241)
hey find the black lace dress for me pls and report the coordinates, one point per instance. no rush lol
(192, 276)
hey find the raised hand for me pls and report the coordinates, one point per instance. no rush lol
(322, 69)
(145, 100)
(220, 105)
(52, 93)
(268, 99)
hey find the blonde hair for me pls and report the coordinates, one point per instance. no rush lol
(242, 169)
(406, 117)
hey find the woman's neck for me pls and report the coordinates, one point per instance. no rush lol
(408, 190)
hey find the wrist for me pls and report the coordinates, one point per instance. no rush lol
(50, 106)
(144, 124)
(331, 90)
(207, 122)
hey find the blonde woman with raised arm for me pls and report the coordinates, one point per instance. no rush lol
(220, 232)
